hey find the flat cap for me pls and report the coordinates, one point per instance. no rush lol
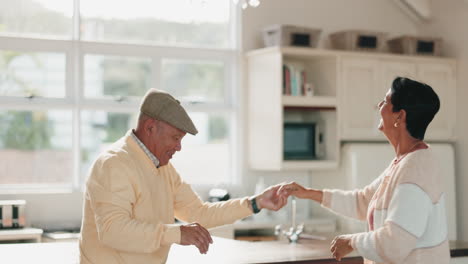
(162, 106)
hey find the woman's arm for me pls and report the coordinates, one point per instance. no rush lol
(352, 204)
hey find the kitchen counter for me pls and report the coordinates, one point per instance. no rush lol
(222, 251)
(234, 251)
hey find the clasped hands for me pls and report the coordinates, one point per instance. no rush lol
(341, 245)
(197, 235)
(273, 198)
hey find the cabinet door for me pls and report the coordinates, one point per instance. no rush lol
(459, 260)
(265, 112)
(358, 99)
(440, 76)
(393, 69)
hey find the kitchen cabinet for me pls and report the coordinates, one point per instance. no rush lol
(359, 96)
(365, 81)
(441, 77)
(348, 87)
(459, 260)
(458, 252)
(269, 108)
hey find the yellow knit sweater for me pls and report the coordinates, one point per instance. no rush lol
(130, 205)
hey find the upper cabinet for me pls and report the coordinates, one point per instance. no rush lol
(347, 88)
(365, 81)
(270, 107)
(359, 93)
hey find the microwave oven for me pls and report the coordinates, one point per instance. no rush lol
(302, 141)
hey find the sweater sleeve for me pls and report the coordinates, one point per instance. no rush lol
(406, 221)
(353, 203)
(112, 195)
(190, 208)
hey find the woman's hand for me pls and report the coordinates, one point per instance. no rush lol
(299, 191)
(341, 246)
(295, 189)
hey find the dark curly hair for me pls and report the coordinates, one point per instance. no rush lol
(419, 101)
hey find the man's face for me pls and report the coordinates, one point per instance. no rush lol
(165, 141)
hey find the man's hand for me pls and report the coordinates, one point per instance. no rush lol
(195, 234)
(271, 199)
(341, 246)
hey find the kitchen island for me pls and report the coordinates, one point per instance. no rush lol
(234, 251)
(221, 251)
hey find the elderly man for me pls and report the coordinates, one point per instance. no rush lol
(133, 193)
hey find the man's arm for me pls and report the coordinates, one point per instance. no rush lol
(190, 208)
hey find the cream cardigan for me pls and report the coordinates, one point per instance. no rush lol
(405, 211)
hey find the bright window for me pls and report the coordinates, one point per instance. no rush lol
(202, 23)
(71, 82)
(36, 147)
(202, 82)
(116, 76)
(30, 74)
(40, 18)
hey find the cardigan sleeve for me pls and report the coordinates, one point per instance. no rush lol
(352, 203)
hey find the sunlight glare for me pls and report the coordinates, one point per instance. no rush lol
(183, 11)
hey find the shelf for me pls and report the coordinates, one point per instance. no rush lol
(266, 120)
(303, 53)
(310, 164)
(312, 101)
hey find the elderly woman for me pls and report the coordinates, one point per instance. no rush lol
(404, 207)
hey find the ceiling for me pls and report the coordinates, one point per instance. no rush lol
(419, 10)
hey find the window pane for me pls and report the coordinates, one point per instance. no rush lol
(32, 74)
(36, 147)
(99, 130)
(176, 22)
(201, 81)
(36, 17)
(116, 76)
(206, 157)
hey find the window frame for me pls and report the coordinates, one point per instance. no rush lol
(75, 51)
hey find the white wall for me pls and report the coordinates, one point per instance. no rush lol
(450, 22)
(328, 15)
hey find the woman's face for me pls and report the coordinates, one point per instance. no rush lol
(387, 116)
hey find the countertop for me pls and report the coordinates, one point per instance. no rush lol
(221, 251)
(234, 251)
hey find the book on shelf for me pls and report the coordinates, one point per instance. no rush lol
(294, 78)
(286, 80)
